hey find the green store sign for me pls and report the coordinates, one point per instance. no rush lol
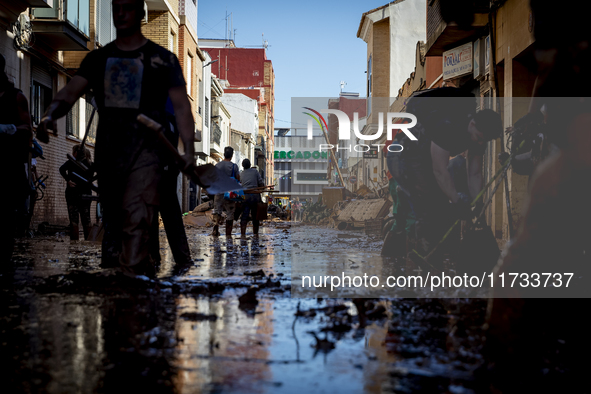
(305, 155)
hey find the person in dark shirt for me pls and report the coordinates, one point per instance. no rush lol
(447, 125)
(250, 179)
(76, 188)
(130, 76)
(15, 140)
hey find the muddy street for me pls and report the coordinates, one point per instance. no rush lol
(227, 324)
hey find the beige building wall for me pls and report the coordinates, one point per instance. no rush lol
(513, 45)
(160, 26)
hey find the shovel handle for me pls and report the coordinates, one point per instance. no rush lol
(159, 130)
(188, 169)
(79, 164)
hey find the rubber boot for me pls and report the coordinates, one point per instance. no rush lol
(255, 227)
(216, 226)
(74, 232)
(243, 229)
(229, 224)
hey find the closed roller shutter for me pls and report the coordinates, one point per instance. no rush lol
(41, 75)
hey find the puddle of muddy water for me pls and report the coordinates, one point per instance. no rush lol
(162, 336)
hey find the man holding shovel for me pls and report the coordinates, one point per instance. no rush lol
(130, 76)
(447, 125)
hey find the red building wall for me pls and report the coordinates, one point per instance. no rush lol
(241, 67)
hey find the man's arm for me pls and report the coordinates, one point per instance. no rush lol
(440, 160)
(61, 105)
(260, 181)
(237, 174)
(184, 121)
(474, 169)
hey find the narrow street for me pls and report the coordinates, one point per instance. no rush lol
(229, 324)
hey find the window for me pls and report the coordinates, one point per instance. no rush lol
(78, 13)
(73, 121)
(311, 176)
(189, 74)
(92, 131)
(41, 97)
(172, 42)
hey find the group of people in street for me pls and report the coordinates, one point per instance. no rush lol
(249, 178)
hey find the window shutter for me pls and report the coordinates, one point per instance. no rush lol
(41, 75)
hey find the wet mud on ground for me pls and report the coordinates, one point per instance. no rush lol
(228, 324)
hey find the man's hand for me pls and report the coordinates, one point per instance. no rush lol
(188, 161)
(71, 184)
(47, 123)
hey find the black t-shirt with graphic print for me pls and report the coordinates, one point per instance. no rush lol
(126, 84)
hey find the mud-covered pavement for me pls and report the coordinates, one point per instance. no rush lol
(226, 324)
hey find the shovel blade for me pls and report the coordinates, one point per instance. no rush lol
(214, 180)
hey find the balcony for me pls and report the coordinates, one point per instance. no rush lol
(65, 26)
(216, 133)
(10, 10)
(442, 36)
(259, 148)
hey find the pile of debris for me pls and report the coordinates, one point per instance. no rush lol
(338, 208)
(316, 213)
(201, 216)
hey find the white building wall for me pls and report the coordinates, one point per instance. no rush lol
(407, 20)
(407, 26)
(244, 113)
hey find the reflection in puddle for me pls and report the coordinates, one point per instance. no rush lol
(163, 337)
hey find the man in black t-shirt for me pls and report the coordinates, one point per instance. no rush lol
(447, 125)
(129, 76)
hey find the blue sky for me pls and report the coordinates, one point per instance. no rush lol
(313, 44)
